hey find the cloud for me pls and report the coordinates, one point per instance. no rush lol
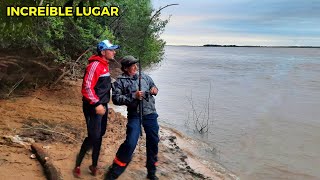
(272, 21)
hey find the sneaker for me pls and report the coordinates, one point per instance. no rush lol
(109, 176)
(93, 170)
(77, 172)
(152, 177)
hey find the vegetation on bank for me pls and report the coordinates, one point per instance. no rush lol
(69, 41)
(66, 38)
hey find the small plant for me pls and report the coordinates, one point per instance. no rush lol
(200, 119)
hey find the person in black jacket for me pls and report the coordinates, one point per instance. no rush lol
(96, 88)
(126, 92)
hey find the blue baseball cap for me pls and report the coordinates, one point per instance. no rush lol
(106, 45)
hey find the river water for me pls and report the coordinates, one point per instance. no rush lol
(263, 106)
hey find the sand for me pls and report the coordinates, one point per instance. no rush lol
(54, 119)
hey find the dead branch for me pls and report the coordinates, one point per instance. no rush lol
(15, 86)
(43, 65)
(43, 124)
(11, 58)
(52, 131)
(65, 72)
(41, 2)
(74, 64)
(12, 62)
(195, 114)
(70, 70)
(201, 120)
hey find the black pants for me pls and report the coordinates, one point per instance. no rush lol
(96, 127)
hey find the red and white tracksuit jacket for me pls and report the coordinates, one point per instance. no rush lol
(96, 83)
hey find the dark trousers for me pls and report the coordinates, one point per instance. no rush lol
(125, 151)
(96, 128)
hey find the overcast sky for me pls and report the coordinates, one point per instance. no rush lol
(242, 22)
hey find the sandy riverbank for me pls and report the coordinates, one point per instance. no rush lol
(54, 119)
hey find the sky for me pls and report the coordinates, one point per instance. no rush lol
(241, 22)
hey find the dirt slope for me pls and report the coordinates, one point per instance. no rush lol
(54, 119)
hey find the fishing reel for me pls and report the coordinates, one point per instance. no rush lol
(146, 95)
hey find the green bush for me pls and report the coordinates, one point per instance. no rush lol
(66, 38)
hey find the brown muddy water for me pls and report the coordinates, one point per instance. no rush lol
(264, 107)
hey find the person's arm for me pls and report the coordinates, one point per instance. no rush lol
(152, 87)
(89, 81)
(118, 96)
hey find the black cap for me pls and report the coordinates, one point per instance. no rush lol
(128, 61)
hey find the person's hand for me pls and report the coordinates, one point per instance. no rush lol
(154, 91)
(100, 110)
(139, 95)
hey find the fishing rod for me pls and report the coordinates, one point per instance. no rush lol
(141, 100)
(140, 68)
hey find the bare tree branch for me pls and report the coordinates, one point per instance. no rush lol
(15, 86)
(201, 120)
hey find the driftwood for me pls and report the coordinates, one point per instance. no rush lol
(51, 172)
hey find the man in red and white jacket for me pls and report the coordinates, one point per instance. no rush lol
(96, 95)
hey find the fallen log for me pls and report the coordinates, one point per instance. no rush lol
(51, 172)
